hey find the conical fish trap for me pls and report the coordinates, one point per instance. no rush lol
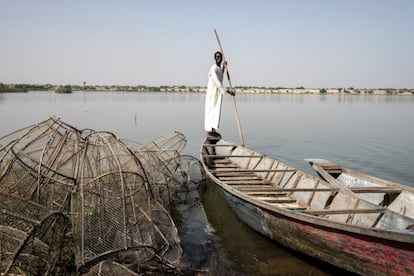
(114, 210)
(160, 158)
(112, 194)
(187, 179)
(39, 163)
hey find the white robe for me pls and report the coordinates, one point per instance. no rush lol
(214, 96)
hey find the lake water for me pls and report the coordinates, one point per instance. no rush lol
(374, 134)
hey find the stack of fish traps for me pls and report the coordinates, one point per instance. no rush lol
(84, 201)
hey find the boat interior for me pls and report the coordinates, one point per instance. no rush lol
(394, 196)
(271, 183)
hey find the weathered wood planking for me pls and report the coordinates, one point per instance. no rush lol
(395, 196)
(311, 215)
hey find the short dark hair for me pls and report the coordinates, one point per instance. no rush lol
(218, 52)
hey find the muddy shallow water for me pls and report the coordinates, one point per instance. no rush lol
(216, 242)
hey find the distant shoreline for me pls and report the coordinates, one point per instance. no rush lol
(16, 88)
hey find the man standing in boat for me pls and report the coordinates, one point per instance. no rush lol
(214, 95)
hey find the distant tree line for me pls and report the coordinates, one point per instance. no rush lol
(64, 89)
(175, 88)
(24, 87)
(12, 88)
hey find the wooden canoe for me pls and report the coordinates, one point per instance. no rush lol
(308, 214)
(394, 196)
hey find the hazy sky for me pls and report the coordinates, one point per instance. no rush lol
(325, 43)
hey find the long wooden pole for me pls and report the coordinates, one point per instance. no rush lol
(236, 114)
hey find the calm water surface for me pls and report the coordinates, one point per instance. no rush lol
(370, 133)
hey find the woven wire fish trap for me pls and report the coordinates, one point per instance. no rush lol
(160, 158)
(39, 163)
(31, 237)
(114, 195)
(109, 268)
(172, 173)
(187, 179)
(114, 212)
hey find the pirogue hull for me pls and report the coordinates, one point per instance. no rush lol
(308, 214)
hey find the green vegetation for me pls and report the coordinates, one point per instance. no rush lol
(322, 91)
(64, 89)
(11, 88)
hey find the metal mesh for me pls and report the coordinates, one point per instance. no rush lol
(114, 208)
(187, 179)
(38, 163)
(112, 194)
(160, 159)
(31, 237)
(108, 268)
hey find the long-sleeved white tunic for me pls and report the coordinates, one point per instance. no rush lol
(214, 96)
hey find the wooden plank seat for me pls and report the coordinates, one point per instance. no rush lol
(386, 190)
(243, 181)
(228, 156)
(223, 161)
(218, 145)
(275, 200)
(341, 211)
(247, 182)
(240, 177)
(266, 193)
(233, 178)
(219, 166)
(331, 168)
(233, 174)
(290, 206)
(251, 170)
(226, 165)
(275, 189)
(334, 172)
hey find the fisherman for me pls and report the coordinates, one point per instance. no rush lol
(214, 95)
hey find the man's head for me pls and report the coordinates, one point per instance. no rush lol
(218, 57)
